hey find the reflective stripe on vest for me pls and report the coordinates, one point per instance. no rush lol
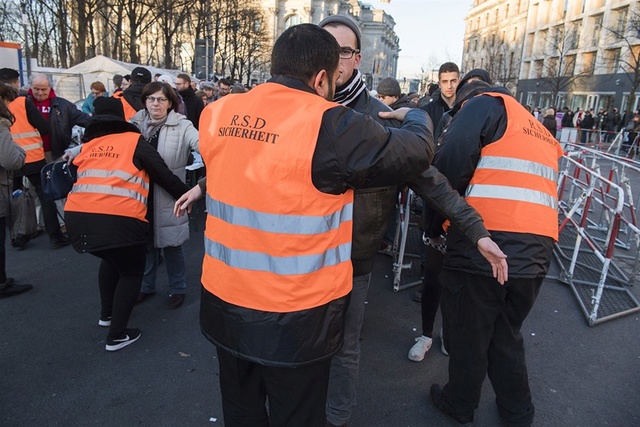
(281, 224)
(273, 242)
(514, 185)
(110, 184)
(23, 133)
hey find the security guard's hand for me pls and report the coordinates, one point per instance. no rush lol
(396, 114)
(186, 201)
(490, 250)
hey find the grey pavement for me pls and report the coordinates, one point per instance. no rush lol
(54, 370)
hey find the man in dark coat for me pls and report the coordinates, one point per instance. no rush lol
(192, 102)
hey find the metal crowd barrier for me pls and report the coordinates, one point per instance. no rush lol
(407, 247)
(591, 210)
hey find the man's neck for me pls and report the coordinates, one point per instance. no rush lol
(449, 101)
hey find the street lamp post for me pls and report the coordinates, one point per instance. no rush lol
(25, 24)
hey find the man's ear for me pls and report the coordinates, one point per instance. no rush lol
(320, 83)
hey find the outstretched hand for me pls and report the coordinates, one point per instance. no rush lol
(186, 201)
(498, 260)
(396, 114)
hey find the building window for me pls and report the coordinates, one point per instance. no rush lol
(589, 63)
(613, 60)
(597, 27)
(292, 20)
(574, 37)
(621, 23)
(570, 65)
(538, 67)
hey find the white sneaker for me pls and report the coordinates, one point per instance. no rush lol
(420, 348)
(444, 350)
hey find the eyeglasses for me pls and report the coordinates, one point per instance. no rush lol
(159, 99)
(347, 52)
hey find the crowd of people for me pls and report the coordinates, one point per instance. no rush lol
(302, 177)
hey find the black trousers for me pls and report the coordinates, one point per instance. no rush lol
(482, 321)
(431, 289)
(295, 396)
(120, 279)
(3, 251)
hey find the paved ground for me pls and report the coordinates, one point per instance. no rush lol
(54, 370)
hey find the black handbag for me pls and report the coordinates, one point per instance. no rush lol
(57, 180)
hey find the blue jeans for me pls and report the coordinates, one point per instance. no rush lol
(176, 271)
(343, 378)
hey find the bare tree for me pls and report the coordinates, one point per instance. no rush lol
(624, 35)
(558, 71)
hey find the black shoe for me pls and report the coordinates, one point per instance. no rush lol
(20, 242)
(176, 300)
(417, 296)
(142, 296)
(10, 288)
(60, 241)
(129, 337)
(438, 400)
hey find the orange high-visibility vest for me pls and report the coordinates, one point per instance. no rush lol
(273, 242)
(23, 132)
(108, 181)
(129, 111)
(514, 186)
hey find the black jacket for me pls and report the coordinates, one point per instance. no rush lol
(352, 151)
(436, 108)
(551, 124)
(481, 121)
(62, 118)
(91, 232)
(193, 104)
(133, 95)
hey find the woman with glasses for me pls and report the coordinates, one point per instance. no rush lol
(97, 90)
(174, 137)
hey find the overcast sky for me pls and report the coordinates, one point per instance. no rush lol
(431, 32)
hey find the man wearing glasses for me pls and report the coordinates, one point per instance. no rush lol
(371, 210)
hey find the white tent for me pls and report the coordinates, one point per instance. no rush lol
(74, 84)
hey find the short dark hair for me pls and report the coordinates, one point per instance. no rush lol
(117, 80)
(9, 75)
(224, 82)
(167, 90)
(304, 50)
(448, 67)
(184, 77)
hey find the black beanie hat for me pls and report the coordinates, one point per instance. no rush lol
(108, 106)
(478, 73)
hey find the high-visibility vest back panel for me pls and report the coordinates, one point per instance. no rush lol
(108, 181)
(23, 132)
(273, 242)
(514, 186)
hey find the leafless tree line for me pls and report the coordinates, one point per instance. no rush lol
(162, 33)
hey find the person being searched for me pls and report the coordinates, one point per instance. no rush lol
(276, 282)
(371, 209)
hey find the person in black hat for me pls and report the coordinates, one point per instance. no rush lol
(130, 97)
(106, 212)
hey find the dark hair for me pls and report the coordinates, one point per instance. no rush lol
(304, 50)
(167, 90)
(184, 77)
(224, 82)
(448, 67)
(7, 93)
(117, 80)
(9, 75)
